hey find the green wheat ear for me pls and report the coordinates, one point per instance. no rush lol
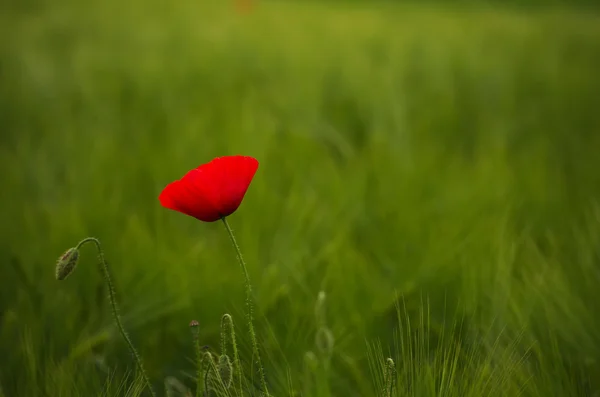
(324, 339)
(320, 309)
(311, 366)
(389, 376)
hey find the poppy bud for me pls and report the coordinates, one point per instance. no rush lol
(225, 370)
(208, 367)
(67, 263)
(227, 330)
(194, 327)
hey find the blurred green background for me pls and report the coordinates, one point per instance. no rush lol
(442, 158)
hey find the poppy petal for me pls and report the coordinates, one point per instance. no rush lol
(176, 198)
(213, 190)
(195, 188)
(231, 177)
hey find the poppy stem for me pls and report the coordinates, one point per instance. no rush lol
(114, 309)
(249, 298)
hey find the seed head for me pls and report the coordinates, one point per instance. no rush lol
(388, 377)
(67, 263)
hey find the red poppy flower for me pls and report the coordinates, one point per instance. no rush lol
(213, 190)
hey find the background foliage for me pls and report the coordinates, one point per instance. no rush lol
(440, 161)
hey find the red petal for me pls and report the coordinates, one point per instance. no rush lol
(230, 177)
(178, 197)
(212, 190)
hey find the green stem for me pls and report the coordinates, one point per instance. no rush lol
(199, 378)
(115, 311)
(249, 298)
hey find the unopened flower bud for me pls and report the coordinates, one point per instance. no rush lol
(225, 370)
(194, 327)
(208, 368)
(67, 263)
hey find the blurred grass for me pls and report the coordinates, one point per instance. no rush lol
(441, 161)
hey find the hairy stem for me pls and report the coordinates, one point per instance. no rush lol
(199, 376)
(115, 311)
(249, 298)
(227, 326)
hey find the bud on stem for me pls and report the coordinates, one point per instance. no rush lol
(67, 263)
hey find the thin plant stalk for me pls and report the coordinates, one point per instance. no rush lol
(198, 350)
(115, 311)
(249, 307)
(199, 378)
(227, 326)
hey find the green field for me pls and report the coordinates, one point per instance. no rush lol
(434, 170)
